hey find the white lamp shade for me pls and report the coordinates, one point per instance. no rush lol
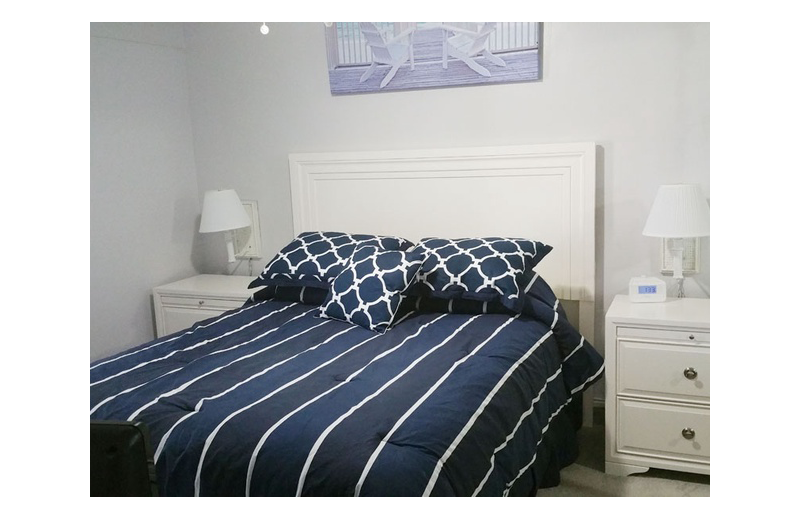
(679, 211)
(222, 211)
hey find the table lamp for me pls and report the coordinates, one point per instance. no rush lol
(679, 211)
(223, 211)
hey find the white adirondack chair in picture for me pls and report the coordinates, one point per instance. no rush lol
(395, 51)
(466, 45)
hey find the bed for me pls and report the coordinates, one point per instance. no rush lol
(387, 352)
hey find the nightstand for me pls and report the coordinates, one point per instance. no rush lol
(658, 386)
(181, 304)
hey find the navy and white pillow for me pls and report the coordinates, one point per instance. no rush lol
(291, 293)
(482, 269)
(314, 258)
(427, 304)
(368, 291)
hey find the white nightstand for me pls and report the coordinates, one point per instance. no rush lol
(181, 304)
(658, 386)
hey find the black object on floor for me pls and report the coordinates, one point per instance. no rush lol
(121, 460)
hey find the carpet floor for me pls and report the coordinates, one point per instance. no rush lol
(586, 477)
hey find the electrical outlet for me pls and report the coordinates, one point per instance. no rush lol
(247, 241)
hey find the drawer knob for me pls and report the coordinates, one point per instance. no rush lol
(201, 302)
(690, 373)
(688, 433)
(691, 336)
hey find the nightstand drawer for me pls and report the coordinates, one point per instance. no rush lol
(201, 303)
(688, 336)
(664, 371)
(661, 430)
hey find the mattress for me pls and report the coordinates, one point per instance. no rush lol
(274, 399)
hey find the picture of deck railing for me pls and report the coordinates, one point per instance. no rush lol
(382, 56)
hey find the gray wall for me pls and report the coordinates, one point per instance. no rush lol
(640, 91)
(144, 198)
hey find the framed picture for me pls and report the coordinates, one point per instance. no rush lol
(389, 56)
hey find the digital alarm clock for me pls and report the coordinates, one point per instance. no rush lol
(647, 289)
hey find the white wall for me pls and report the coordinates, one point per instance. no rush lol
(144, 198)
(640, 91)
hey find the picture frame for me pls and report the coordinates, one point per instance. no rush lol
(367, 57)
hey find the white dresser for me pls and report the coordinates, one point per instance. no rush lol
(181, 304)
(658, 386)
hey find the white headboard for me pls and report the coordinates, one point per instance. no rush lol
(540, 192)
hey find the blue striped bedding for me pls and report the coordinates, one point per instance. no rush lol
(272, 400)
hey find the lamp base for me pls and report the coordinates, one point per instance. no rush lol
(229, 244)
(677, 266)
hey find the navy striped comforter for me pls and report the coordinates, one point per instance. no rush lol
(272, 400)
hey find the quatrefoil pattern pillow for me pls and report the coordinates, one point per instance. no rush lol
(314, 258)
(369, 290)
(482, 269)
